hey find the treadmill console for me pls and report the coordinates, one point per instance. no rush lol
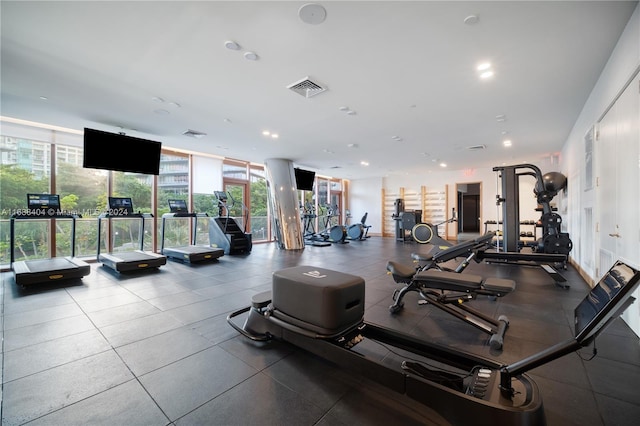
(178, 206)
(43, 204)
(120, 206)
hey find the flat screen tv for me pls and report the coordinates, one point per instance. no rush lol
(304, 179)
(113, 151)
(606, 300)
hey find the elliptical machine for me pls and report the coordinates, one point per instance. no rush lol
(334, 233)
(308, 221)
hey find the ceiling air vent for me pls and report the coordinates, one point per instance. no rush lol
(476, 147)
(306, 87)
(194, 134)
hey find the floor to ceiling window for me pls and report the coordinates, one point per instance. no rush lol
(24, 168)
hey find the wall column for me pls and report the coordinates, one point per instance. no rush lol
(283, 199)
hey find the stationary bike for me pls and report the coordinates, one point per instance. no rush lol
(359, 231)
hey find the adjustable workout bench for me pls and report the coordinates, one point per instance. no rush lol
(449, 291)
(467, 249)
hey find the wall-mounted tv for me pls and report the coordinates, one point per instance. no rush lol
(113, 151)
(304, 179)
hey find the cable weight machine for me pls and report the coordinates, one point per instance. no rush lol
(554, 245)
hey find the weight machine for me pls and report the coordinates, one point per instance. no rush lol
(554, 246)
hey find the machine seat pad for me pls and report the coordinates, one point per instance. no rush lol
(499, 285)
(445, 280)
(426, 257)
(400, 270)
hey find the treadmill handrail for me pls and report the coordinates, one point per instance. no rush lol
(16, 216)
(141, 216)
(181, 215)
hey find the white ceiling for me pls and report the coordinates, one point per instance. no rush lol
(407, 69)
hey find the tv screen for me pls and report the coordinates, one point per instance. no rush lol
(304, 179)
(43, 201)
(112, 151)
(606, 300)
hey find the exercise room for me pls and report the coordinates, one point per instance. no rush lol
(320, 213)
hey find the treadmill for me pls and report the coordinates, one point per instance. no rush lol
(121, 208)
(27, 272)
(191, 253)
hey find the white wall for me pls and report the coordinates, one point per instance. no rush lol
(622, 64)
(365, 196)
(366, 193)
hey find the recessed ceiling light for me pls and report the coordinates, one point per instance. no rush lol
(275, 136)
(501, 117)
(266, 132)
(251, 56)
(157, 99)
(44, 98)
(343, 108)
(486, 74)
(161, 112)
(352, 145)
(175, 104)
(506, 142)
(483, 66)
(231, 45)
(443, 164)
(364, 163)
(351, 112)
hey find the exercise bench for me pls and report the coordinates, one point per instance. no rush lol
(436, 257)
(449, 291)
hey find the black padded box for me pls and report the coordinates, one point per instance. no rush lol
(318, 299)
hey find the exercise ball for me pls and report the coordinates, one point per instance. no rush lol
(554, 181)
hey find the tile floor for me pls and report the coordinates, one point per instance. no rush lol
(155, 348)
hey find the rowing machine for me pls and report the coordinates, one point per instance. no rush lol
(322, 311)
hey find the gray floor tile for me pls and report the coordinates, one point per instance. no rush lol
(125, 404)
(39, 394)
(185, 385)
(122, 313)
(158, 351)
(46, 331)
(133, 330)
(277, 405)
(37, 316)
(35, 358)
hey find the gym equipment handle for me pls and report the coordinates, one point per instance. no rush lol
(616, 235)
